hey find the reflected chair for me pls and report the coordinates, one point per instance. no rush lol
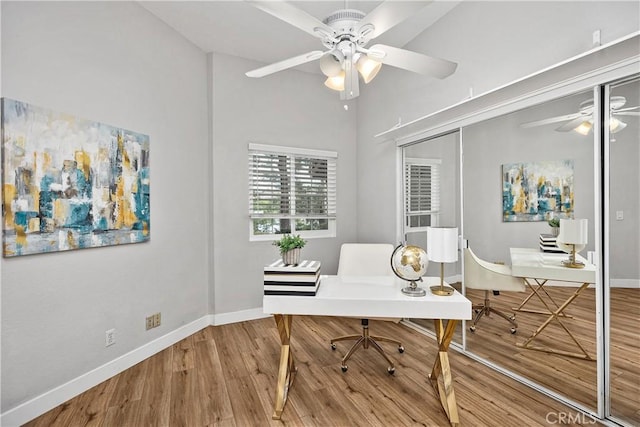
(487, 276)
(366, 259)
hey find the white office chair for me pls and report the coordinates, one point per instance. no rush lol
(366, 259)
(479, 274)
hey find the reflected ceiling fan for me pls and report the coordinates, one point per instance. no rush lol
(344, 34)
(582, 121)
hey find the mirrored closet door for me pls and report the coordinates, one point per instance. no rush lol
(521, 170)
(431, 197)
(623, 239)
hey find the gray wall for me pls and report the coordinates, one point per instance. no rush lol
(115, 63)
(270, 111)
(494, 43)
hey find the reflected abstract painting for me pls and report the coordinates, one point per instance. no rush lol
(70, 183)
(537, 191)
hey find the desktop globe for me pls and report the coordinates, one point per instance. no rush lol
(409, 263)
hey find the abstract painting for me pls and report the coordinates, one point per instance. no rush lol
(70, 183)
(537, 191)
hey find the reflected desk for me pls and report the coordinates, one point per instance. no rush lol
(532, 264)
(370, 297)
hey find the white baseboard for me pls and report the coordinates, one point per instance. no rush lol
(238, 316)
(57, 396)
(625, 283)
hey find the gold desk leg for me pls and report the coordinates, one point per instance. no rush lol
(533, 292)
(287, 370)
(555, 315)
(442, 369)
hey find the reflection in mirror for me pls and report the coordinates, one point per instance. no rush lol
(520, 170)
(624, 251)
(431, 184)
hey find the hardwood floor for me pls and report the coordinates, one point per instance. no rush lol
(226, 376)
(566, 375)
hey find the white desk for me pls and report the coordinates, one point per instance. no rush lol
(368, 297)
(532, 264)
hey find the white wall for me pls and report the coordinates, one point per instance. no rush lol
(272, 111)
(494, 43)
(115, 63)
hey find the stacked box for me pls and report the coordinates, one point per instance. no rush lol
(548, 243)
(300, 280)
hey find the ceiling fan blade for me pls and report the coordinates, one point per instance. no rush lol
(572, 124)
(287, 63)
(388, 14)
(412, 61)
(294, 16)
(627, 113)
(625, 109)
(550, 120)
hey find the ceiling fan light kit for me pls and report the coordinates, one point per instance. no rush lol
(582, 121)
(345, 34)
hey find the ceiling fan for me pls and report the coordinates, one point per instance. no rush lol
(582, 121)
(344, 34)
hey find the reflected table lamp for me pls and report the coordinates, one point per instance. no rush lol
(572, 239)
(442, 246)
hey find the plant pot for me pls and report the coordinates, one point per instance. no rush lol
(291, 257)
(555, 231)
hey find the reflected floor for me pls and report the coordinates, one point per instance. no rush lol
(568, 376)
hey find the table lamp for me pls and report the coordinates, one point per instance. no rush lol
(571, 239)
(442, 246)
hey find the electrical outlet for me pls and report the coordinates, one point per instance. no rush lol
(153, 321)
(110, 337)
(619, 215)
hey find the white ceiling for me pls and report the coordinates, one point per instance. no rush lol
(237, 28)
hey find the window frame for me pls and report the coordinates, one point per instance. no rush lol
(434, 214)
(292, 153)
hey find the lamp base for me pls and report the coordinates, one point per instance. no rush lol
(443, 291)
(414, 291)
(572, 264)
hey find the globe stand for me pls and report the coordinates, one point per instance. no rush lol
(441, 290)
(413, 290)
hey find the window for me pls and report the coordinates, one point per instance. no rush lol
(291, 190)
(421, 193)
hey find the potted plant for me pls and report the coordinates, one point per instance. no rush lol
(554, 223)
(290, 246)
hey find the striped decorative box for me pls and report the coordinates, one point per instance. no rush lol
(301, 280)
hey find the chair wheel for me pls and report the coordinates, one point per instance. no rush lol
(333, 346)
(514, 330)
(513, 317)
(344, 368)
(401, 349)
(476, 311)
(391, 370)
(472, 328)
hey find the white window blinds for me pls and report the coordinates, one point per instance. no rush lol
(291, 190)
(422, 191)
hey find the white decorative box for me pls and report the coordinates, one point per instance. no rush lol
(301, 280)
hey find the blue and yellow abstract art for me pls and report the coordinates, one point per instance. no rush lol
(537, 191)
(70, 183)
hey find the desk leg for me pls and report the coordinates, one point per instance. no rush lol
(555, 315)
(287, 370)
(442, 370)
(533, 292)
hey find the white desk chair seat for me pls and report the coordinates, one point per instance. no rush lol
(366, 259)
(479, 274)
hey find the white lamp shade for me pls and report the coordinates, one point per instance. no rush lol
(442, 244)
(331, 63)
(572, 232)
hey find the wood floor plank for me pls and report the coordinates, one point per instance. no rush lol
(224, 376)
